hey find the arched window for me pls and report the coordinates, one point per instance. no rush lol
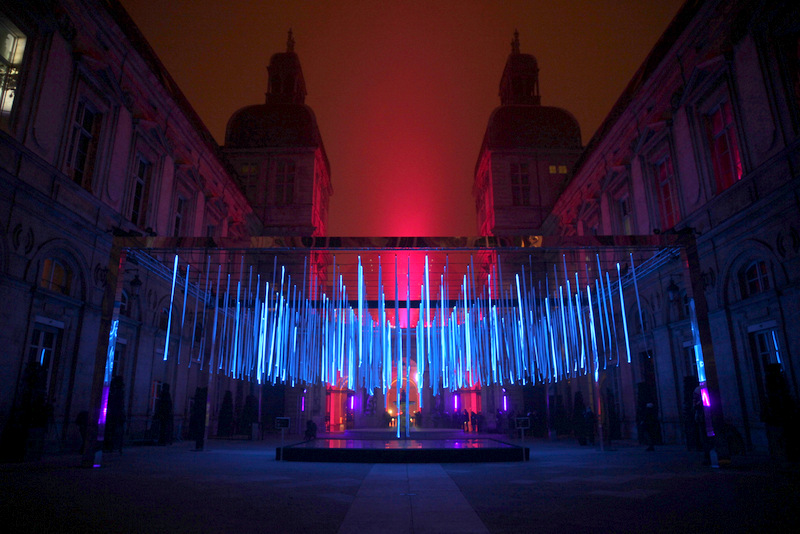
(56, 276)
(754, 279)
(724, 147)
(646, 322)
(124, 304)
(163, 319)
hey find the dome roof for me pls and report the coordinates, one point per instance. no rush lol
(273, 125)
(520, 126)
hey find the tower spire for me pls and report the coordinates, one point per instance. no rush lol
(290, 42)
(515, 43)
(520, 81)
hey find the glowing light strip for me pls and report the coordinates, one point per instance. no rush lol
(622, 310)
(171, 297)
(485, 338)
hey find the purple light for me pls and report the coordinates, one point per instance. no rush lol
(704, 395)
(303, 403)
(455, 402)
(101, 421)
(505, 403)
(352, 402)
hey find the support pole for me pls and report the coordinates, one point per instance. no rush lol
(718, 447)
(104, 358)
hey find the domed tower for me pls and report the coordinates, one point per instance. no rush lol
(277, 152)
(527, 154)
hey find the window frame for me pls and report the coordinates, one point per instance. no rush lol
(519, 174)
(620, 218)
(50, 266)
(733, 159)
(83, 174)
(141, 176)
(285, 180)
(250, 180)
(761, 282)
(15, 70)
(668, 216)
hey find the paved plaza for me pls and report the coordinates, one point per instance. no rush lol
(238, 486)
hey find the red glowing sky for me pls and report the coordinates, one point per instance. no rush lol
(402, 91)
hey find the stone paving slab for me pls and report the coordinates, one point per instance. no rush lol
(239, 487)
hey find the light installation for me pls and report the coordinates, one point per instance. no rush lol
(535, 329)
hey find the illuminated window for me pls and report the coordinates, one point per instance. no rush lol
(562, 169)
(12, 48)
(43, 349)
(557, 169)
(55, 276)
(142, 171)
(83, 145)
(665, 192)
(520, 185)
(754, 279)
(723, 146)
(284, 182)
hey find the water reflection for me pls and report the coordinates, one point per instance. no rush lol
(469, 443)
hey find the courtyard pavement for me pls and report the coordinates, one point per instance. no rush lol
(238, 486)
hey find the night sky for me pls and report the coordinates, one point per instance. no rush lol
(402, 91)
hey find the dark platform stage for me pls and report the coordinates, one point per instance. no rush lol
(403, 451)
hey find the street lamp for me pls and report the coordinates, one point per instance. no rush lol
(672, 290)
(136, 285)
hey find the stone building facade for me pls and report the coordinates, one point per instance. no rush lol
(96, 140)
(704, 139)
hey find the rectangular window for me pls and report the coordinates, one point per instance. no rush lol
(83, 145)
(723, 146)
(142, 171)
(248, 174)
(557, 169)
(625, 215)
(284, 182)
(120, 351)
(665, 192)
(43, 348)
(790, 52)
(689, 360)
(520, 185)
(766, 355)
(180, 215)
(12, 48)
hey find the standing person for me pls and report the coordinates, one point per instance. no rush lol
(115, 416)
(589, 424)
(578, 418)
(163, 416)
(650, 425)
